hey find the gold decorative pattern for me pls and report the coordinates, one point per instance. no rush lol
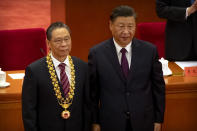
(64, 102)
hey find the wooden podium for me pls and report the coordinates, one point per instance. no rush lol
(180, 113)
(10, 104)
(181, 101)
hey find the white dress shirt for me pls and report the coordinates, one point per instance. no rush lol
(57, 69)
(128, 53)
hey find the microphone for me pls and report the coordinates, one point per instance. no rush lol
(42, 51)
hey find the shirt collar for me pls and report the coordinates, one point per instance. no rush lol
(118, 47)
(56, 62)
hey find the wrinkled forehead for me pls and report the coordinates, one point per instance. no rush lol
(124, 20)
(60, 32)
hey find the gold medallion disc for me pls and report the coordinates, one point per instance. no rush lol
(65, 114)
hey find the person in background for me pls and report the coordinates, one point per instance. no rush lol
(55, 93)
(181, 28)
(126, 79)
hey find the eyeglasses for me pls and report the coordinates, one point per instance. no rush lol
(61, 40)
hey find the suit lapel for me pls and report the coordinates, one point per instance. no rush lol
(59, 83)
(76, 70)
(113, 58)
(76, 81)
(134, 59)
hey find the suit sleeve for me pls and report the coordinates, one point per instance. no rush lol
(158, 87)
(165, 9)
(29, 101)
(94, 90)
(87, 103)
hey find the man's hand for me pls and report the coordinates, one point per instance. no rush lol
(157, 126)
(192, 8)
(96, 127)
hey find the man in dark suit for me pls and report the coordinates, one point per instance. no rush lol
(126, 79)
(181, 28)
(55, 94)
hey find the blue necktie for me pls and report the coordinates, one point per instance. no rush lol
(124, 62)
(192, 1)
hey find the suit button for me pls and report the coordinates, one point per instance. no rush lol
(128, 93)
(127, 113)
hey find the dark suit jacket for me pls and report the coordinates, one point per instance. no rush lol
(40, 109)
(141, 97)
(181, 33)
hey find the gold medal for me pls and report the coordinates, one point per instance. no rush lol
(64, 102)
(65, 114)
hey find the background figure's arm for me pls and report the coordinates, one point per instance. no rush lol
(192, 9)
(165, 9)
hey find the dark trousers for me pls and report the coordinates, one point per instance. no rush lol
(128, 125)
